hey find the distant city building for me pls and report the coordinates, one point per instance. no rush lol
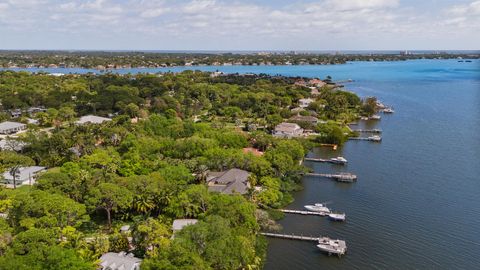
(119, 261)
(229, 182)
(8, 127)
(287, 130)
(92, 119)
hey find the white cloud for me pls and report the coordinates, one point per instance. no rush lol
(235, 22)
(152, 13)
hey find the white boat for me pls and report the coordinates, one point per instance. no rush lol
(330, 246)
(375, 138)
(375, 117)
(339, 160)
(336, 216)
(318, 207)
(388, 110)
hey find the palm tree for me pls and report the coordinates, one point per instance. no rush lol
(13, 172)
(201, 174)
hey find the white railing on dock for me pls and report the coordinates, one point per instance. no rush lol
(291, 236)
(300, 212)
(348, 177)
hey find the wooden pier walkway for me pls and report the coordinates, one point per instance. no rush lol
(371, 139)
(291, 236)
(368, 130)
(341, 177)
(325, 161)
(301, 212)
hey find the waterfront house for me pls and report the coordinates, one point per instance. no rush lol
(305, 119)
(92, 119)
(229, 182)
(300, 83)
(119, 261)
(316, 83)
(287, 130)
(24, 176)
(304, 102)
(8, 127)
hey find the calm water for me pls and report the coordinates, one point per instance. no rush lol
(416, 204)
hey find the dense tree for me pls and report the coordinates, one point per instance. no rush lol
(110, 198)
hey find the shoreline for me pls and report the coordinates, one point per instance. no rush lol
(105, 61)
(59, 71)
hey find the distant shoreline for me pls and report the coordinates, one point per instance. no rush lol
(101, 60)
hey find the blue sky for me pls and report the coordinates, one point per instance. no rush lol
(240, 25)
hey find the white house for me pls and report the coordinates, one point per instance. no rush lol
(24, 176)
(11, 145)
(287, 130)
(304, 102)
(92, 119)
(8, 127)
(119, 261)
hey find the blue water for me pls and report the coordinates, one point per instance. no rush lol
(416, 204)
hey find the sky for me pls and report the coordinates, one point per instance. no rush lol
(240, 25)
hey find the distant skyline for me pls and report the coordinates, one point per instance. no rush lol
(240, 25)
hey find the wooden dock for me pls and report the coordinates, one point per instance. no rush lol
(341, 177)
(371, 139)
(291, 236)
(334, 146)
(301, 212)
(324, 161)
(377, 131)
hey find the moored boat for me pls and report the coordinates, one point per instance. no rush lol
(330, 246)
(338, 160)
(318, 207)
(388, 110)
(375, 138)
(337, 216)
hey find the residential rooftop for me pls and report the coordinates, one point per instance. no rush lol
(119, 261)
(93, 119)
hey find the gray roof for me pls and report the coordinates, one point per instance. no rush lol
(178, 224)
(119, 261)
(287, 127)
(301, 118)
(9, 125)
(24, 173)
(229, 182)
(92, 119)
